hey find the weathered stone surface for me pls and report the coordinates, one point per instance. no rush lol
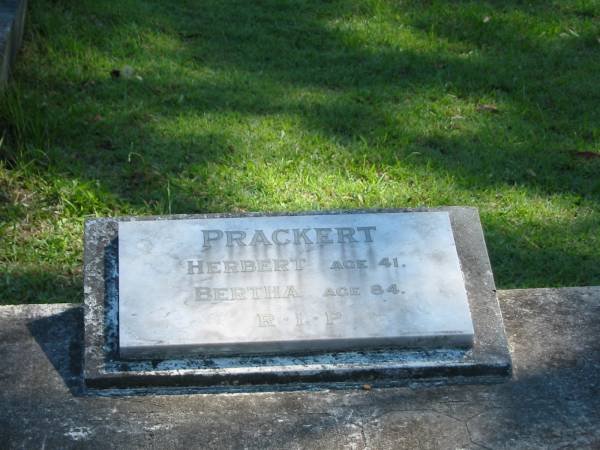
(12, 22)
(552, 401)
(105, 368)
(290, 284)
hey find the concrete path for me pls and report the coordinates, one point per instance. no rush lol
(552, 401)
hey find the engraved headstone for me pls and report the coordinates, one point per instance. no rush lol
(290, 284)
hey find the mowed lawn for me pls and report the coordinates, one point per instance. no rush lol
(175, 106)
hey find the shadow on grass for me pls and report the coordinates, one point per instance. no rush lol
(291, 59)
(50, 285)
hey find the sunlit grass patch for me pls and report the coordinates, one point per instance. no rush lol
(148, 107)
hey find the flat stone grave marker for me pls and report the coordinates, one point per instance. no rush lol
(229, 301)
(290, 284)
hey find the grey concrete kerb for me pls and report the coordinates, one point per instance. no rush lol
(550, 402)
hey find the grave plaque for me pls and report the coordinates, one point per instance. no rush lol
(290, 284)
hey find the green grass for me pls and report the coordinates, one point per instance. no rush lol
(299, 105)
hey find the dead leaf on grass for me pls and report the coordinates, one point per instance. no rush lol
(488, 107)
(587, 155)
(127, 72)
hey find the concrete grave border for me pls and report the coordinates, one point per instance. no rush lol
(12, 24)
(489, 359)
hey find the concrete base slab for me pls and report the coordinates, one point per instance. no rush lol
(105, 368)
(551, 401)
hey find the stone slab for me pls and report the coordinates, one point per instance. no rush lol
(104, 368)
(290, 284)
(551, 401)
